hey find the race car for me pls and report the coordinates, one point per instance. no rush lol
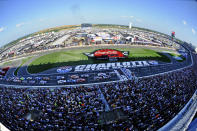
(61, 81)
(74, 76)
(81, 80)
(42, 82)
(46, 78)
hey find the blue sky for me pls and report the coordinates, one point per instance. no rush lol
(22, 17)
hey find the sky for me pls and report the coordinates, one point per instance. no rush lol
(22, 17)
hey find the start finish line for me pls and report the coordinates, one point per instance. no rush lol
(115, 65)
(106, 66)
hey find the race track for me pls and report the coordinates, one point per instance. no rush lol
(139, 71)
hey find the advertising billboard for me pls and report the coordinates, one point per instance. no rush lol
(107, 54)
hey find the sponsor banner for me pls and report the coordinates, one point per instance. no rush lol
(106, 66)
(107, 53)
(116, 65)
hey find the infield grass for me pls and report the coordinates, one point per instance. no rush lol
(76, 57)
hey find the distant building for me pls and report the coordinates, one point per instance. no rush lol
(86, 26)
(130, 25)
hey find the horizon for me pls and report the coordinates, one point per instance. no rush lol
(21, 37)
(164, 16)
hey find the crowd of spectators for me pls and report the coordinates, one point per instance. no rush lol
(48, 47)
(152, 102)
(148, 104)
(63, 108)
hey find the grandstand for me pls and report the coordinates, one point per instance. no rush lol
(138, 105)
(139, 94)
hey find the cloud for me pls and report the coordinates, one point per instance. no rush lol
(2, 29)
(193, 31)
(184, 22)
(20, 24)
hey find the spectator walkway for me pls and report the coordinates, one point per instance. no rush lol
(107, 108)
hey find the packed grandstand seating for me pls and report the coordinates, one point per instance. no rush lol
(44, 48)
(146, 104)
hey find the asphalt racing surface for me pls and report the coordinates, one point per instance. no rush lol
(113, 74)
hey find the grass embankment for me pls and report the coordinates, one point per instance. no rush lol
(76, 57)
(22, 63)
(59, 28)
(7, 63)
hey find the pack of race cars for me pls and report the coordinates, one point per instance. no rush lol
(63, 79)
(83, 78)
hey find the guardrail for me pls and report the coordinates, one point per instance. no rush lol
(3, 128)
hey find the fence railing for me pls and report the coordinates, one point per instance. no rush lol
(3, 128)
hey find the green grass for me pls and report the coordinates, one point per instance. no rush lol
(7, 63)
(76, 57)
(23, 62)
